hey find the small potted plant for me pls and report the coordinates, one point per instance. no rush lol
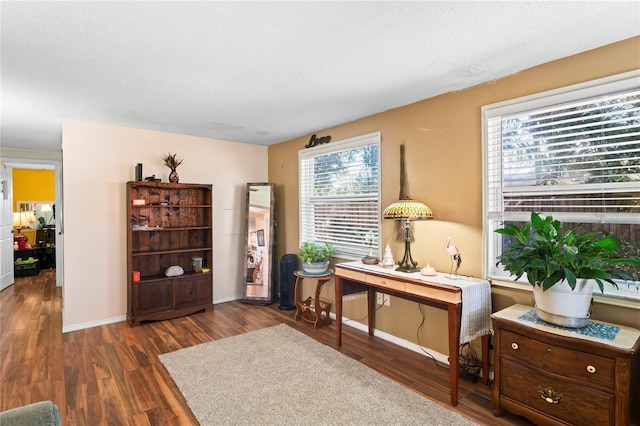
(562, 262)
(315, 257)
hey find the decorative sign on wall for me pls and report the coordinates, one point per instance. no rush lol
(317, 141)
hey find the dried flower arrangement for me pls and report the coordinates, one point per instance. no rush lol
(171, 161)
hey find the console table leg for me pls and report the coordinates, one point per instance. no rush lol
(371, 309)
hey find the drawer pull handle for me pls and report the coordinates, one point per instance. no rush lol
(591, 369)
(549, 395)
(514, 346)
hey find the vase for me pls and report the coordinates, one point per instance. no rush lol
(315, 268)
(173, 176)
(562, 306)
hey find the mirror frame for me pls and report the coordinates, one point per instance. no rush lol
(265, 243)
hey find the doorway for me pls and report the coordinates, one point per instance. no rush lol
(54, 223)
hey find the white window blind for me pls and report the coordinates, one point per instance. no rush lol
(340, 195)
(573, 153)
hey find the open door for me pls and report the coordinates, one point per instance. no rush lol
(6, 227)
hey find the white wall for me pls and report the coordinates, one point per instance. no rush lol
(97, 162)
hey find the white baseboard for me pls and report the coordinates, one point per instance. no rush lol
(441, 358)
(444, 359)
(226, 299)
(82, 326)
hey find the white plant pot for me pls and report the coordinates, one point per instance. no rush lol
(315, 268)
(562, 306)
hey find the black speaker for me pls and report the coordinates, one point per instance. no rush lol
(288, 265)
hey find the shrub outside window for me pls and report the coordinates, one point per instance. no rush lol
(340, 195)
(573, 153)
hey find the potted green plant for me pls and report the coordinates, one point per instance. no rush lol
(561, 264)
(315, 257)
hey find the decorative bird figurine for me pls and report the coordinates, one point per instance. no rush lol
(452, 250)
(455, 255)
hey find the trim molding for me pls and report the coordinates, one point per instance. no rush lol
(444, 359)
(91, 324)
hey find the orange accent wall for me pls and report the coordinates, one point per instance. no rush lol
(33, 185)
(443, 140)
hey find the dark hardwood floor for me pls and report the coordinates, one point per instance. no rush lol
(111, 375)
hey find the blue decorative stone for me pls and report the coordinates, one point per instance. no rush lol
(592, 329)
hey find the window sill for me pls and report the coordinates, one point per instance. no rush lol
(623, 297)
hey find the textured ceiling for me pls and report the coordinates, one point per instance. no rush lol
(266, 72)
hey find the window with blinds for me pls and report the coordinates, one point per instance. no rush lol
(573, 153)
(340, 195)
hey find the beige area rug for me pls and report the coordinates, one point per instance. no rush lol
(279, 376)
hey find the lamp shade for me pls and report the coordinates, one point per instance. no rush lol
(31, 217)
(46, 208)
(23, 218)
(17, 219)
(408, 209)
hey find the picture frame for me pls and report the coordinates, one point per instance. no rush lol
(260, 234)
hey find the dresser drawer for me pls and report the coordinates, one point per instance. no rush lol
(592, 370)
(579, 405)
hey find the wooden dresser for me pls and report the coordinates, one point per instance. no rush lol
(556, 376)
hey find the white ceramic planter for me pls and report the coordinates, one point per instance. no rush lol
(562, 306)
(315, 268)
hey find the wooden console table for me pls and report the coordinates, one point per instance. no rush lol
(312, 309)
(438, 291)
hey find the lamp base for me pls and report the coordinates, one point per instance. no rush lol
(408, 269)
(407, 264)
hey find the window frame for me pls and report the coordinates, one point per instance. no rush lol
(491, 241)
(342, 145)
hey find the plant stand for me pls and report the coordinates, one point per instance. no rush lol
(312, 309)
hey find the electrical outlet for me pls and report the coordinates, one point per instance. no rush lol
(383, 299)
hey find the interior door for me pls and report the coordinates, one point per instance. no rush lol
(6, 227)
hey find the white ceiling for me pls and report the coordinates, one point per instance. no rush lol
(266, 72)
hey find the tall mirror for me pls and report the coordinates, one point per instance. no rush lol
(260, 244)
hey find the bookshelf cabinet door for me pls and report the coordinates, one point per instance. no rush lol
(193, 291)
(153, 297)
